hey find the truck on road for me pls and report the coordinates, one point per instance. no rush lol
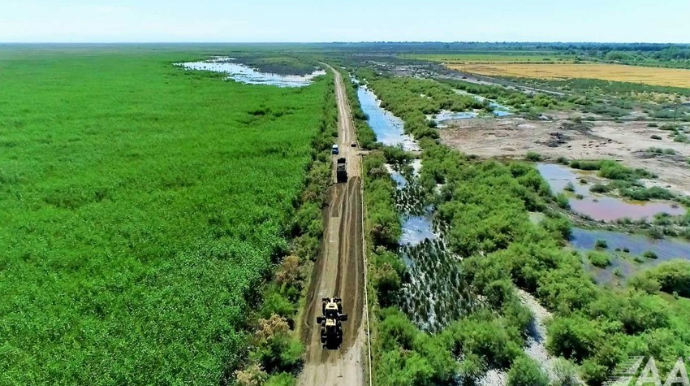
(341, 170)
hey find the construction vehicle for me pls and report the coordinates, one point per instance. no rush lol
(331, 322)
(341, 170)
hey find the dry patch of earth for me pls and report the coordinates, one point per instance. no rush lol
(626, 142)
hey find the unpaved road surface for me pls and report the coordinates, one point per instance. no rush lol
(339, 271)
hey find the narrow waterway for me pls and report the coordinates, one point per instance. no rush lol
(389, 129)
(432, 295)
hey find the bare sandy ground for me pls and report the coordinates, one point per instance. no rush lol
(625, 142)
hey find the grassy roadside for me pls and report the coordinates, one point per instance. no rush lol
(275, 358)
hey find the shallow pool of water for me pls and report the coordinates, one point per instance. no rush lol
(499, 109)
(597, 206)
(446, 115)
(637, 245)
(416, 229)
(388, 128)
(244, 74)
(665, 249)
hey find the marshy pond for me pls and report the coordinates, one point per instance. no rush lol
(600, 207)
(245, 74)
(627, 251)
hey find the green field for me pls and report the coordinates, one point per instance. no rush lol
(141, 207)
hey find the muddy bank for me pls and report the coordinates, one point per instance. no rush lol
(627, 142)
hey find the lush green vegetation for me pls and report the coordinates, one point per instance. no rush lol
(518, 100)
(496, 226)
(142, 207)
(625, 180)
(671, 277)
(599, 259)
(484, 206)
(412, 99)
(275, 356)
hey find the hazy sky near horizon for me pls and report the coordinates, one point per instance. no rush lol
(345, 20)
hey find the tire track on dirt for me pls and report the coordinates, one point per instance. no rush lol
(339, 270)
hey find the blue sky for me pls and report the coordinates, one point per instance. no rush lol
(344, 20)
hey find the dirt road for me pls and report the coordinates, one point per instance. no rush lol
(339, 270)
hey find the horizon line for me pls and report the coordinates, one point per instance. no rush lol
(346, 42)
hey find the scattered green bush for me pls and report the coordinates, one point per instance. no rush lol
(526, 372)
(563, 201)
(585, 165)
(599, 259)
(601, 244)
(650, 255)
(533, 156)
(672, 276)
(600, 188)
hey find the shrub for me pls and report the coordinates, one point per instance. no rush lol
(650, 255)
(565, 373)
(599, 259)
(600, 188)
(534, 156)
(526, 372)
(289, 272)
(672, 276)
(276, 303)
(396, 331)
(585, 165)
(657, 137)
(471, 368)
(275, 347)
(489, 337)
(680, 138)
(601, 244)
(645, 283)
(573, 337)
(570, 187)
(282, 379)
(562, 160)
(253, 375)
(563, 201)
